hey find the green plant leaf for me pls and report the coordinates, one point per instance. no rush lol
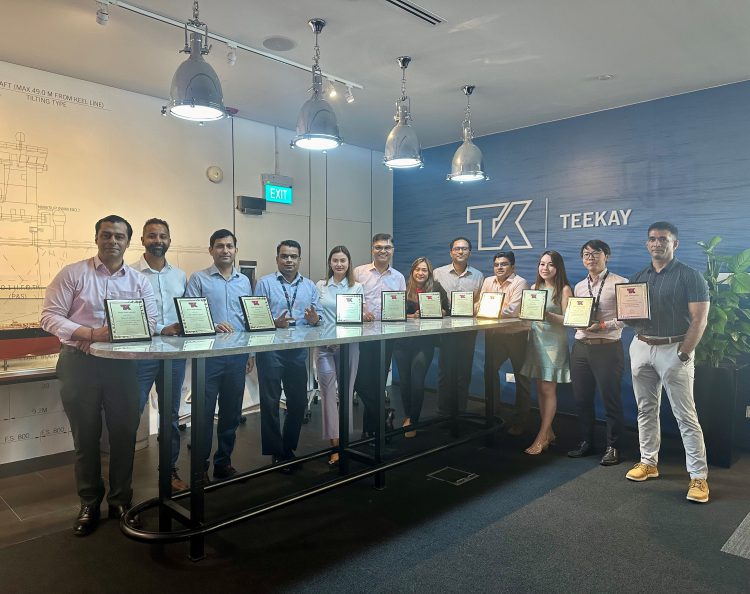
(741, 261)
(740, 283)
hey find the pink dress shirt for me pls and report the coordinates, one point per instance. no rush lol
(75, 298)
(375, 283)
(513, 288)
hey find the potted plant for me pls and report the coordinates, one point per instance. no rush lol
(723, 351)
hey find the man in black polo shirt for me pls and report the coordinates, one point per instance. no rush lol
(662, 354)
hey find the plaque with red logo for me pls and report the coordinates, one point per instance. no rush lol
(430, 305)
(349, 308)
(127, 320)
(579, 313)
(632, 301)
(393, 306)
(195, 316)
(257, 314)
(533, 305)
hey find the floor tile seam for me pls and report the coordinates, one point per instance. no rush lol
(10, 508)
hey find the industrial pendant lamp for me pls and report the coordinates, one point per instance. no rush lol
(467, 162)
(402, 149)
(196, 91)
(317, 129)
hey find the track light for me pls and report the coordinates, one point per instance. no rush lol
(467, 164)
(232, 54)
(332, 92)
(102, 13)
(317, 128)
(196, 90)
(402, 149)
(349, 96)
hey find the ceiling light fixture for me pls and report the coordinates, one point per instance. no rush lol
(317, 128)
(196, 90)
(402, 149)
(232, 54)
(349, 95)
(102, 12)
(467, 162)
(332, 92)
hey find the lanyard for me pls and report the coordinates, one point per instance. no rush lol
(599, 294)
(290, 304)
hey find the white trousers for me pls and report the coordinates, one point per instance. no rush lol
(327, 363)
(653, 367)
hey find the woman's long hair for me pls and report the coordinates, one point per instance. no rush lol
(561, 278)
(349, 272)
(411, 285)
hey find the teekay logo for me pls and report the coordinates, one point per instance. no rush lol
(495, 229)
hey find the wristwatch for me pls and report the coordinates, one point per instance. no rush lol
(684, 357)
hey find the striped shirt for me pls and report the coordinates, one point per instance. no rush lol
(669, 292)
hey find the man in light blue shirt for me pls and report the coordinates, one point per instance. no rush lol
(223, 285)
(168, 282)
(293, 300)
(457, 350)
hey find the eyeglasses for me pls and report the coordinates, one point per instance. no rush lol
(289, 256)
(591, 255)
(460, 249)
(382, 248)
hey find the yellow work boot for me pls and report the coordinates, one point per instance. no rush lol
(641, 472)
(698, 490)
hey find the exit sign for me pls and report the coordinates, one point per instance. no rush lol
(277, 188)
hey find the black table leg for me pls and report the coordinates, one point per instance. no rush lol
(197, 468)
(489, 384)
(343, 388)
(165, 444)
(380, 435)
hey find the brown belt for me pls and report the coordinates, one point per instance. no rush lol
(598, 340)
(657, 340)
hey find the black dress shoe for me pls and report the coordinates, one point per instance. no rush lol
(584, 449)
(87, 520)
(285, 469)
(116, 512)
(611, 457)
(224, 472)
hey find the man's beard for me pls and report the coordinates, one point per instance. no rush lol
(157, 250)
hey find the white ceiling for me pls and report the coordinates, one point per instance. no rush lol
(532, 60)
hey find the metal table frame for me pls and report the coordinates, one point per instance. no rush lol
(193, 518)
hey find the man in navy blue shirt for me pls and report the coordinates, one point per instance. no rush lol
(222, 285)
(293, 300)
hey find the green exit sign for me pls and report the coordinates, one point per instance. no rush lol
(277, 188)
(280, 194)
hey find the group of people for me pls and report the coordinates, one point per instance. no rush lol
(74, 311)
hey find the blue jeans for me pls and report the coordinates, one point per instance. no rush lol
(150, 372)
(225, 380)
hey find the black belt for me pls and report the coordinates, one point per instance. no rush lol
(598, 340)
(659, 340)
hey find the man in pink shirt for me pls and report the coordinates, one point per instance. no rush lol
(597, 359)
(510, 343)
(74, 312)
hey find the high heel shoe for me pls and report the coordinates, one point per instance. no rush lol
(551, 437)
(536, 448)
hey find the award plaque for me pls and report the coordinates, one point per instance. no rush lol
(257, 314)
(393, 306)
(195, 316)
(462, 304)
(490, 305)
(579, 313)
(430, 305)
(126, 319)
(533, 305)
(349, 308)
(632, 301)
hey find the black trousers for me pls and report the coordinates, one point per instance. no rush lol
(276, 369)
(454, 371)
(601, 365)
(367, 384)
(413, 357)
(513, 347)
(89, 385)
